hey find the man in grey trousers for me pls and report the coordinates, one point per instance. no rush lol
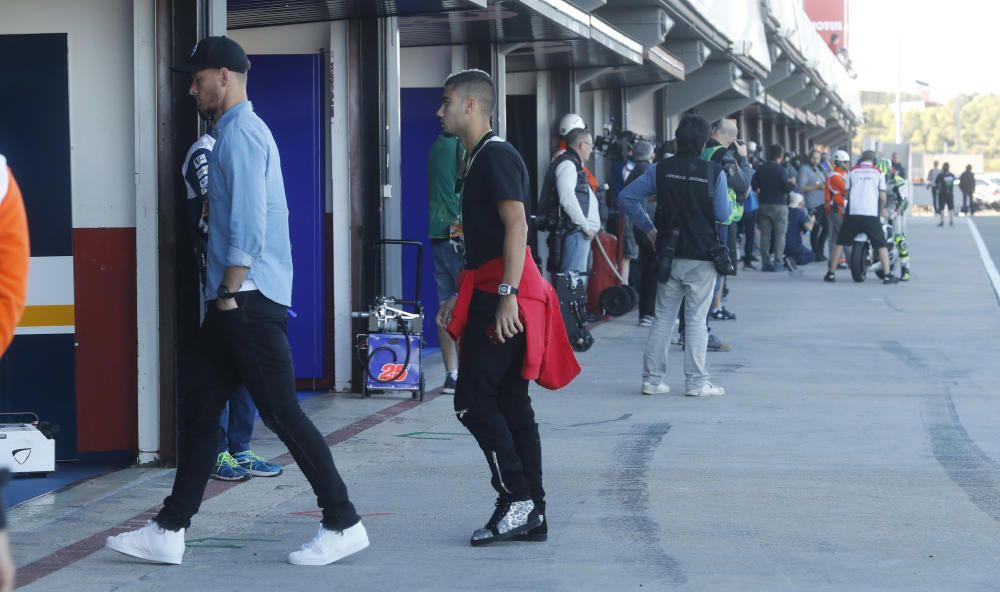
(691, 198)
(772, 184)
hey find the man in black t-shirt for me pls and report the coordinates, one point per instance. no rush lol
(945, 182)
(491, 396)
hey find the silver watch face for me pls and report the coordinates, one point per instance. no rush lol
(504, 289)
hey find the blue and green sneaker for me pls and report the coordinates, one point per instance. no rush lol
(227, 469)
(257, 466)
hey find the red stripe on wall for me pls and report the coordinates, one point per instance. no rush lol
(106, 372)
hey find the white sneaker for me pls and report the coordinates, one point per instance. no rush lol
(151, 543)
(708, 390)
(655, 389)
(330, 545)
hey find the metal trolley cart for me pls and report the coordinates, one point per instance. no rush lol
(391, 349)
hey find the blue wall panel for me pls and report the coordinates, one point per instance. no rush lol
(38, 372)
(287, 93)
(419, 129)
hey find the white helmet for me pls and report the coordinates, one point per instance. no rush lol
(569, 122)
(841, 156)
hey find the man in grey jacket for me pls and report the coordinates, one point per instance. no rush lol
(812, 185)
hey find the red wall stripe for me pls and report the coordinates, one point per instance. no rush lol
(106, 369)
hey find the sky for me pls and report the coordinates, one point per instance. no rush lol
(953, 45)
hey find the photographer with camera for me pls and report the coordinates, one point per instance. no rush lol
(692, 197)
(570, 205)
(647, 255)
(725, 149)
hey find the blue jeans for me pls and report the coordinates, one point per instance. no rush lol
(236, 425)
(448, 263)
(576, 252)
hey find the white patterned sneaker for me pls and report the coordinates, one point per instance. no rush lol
(151, 543)
(707, 390)
(509, 520)
(330, 545)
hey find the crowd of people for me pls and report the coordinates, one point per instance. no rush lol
(942, 182)
(699, 198)
(787, 211)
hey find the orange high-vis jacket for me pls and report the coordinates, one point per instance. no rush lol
(14, 253)
(835, 189)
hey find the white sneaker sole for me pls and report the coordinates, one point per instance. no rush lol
(654, 391)
(116, 545)
(703, 394)
(312, 560)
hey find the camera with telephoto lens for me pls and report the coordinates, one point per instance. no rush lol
(665, 253)
(615, 144)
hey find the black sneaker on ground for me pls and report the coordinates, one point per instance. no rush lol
(820, 258)
(509, 520)
(749, 267)
(538, 534)
(722, 315)
(789, 264)
(890, 279)
(829, 277)
(449, 385)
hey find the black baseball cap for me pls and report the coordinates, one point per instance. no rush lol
(215, 52)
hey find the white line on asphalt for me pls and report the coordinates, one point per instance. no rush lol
(991, 268)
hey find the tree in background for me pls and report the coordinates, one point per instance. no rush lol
(933, 128)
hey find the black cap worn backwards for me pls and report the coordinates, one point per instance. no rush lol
(215, 52)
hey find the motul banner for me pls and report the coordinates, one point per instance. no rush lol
(829, 17)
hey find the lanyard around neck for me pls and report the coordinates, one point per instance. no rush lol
(470, 158)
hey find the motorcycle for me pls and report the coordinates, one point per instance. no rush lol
(863, 258)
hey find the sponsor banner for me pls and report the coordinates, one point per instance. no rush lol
(829, 17)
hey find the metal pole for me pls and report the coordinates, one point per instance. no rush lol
(899, 85)
(958, 124)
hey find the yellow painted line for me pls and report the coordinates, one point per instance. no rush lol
(57, 315)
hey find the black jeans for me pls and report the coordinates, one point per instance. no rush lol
(647, 276)
(820, 231)
(967, 203)
(492, 402)
(248, 346)
(748, 225)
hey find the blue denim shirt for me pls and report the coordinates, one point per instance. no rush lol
(248, 214)
(633, 198)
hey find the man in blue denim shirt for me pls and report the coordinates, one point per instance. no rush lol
(244, 339)
(692, 196)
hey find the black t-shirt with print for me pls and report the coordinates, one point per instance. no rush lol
(497, 173)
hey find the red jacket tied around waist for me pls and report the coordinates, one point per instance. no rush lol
(548, 358)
